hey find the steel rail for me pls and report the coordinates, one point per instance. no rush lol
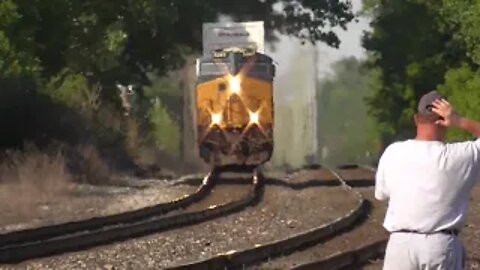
(352, 258)
(240, 258)
(79, 240)
(51, 231)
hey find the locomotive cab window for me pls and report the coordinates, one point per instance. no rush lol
(257, 70)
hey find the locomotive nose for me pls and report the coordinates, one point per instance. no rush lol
(236, 62)
(235, 108)
(235, 84)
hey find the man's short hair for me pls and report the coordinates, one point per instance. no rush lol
(427, 118)
(425, 106)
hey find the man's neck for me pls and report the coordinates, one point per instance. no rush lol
(428, 137)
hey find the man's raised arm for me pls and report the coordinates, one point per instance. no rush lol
(452, 119)
(473, 127)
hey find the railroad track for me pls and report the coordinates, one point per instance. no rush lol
(46, 232)
(318, 254)
(353, 256)
(50, 240)
(242, 259)
(231, 260)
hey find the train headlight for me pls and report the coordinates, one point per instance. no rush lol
(234, 83)
(254, 117)
(216, 118)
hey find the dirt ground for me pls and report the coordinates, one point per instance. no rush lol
(24, 207)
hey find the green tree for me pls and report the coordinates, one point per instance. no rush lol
(166, 134)
(412, 46)
(17, 59)
(167, 88)
(462, 83)
(119, 41)
(71, 54)
(462, 87)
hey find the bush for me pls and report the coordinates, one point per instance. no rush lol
(88, 125)
(165, 132)
(28, 115)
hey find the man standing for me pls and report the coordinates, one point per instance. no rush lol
(428, 184)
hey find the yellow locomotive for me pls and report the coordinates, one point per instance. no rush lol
(234, 97)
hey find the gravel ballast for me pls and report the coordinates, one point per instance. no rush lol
(79, 202)
(282, 212)
(366, 232)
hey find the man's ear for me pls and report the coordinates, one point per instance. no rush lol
(415, 118)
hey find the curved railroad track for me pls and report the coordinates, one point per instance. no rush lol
(355, 256)
(240, 259)
(73, 236)
(356, 246)
(46, 232)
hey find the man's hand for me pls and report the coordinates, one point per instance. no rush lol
(452, 119)
(445, 110)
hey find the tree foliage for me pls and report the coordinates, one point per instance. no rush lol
(417, 46)
(118, 41)
(17, 58)
(165, 134)
(68, 56)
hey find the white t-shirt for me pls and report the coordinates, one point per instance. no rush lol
(428, 184)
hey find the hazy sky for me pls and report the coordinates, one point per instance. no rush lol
(295, 90)
(350, 46)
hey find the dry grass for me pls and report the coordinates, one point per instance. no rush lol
(91, 167)
(30, 178)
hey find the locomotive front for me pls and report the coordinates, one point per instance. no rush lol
(234, 96)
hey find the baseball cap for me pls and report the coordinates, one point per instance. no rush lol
(425, 104)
